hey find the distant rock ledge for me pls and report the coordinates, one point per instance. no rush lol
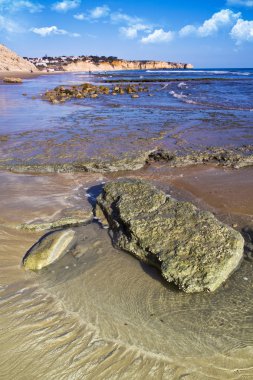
(121, 64)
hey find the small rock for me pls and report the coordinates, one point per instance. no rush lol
(134, 96)
(48, 249)
(12, 80)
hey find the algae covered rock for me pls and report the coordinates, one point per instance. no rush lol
(191, 247)
(48, 249)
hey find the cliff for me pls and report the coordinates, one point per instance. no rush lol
(10, 61)
(124, 65)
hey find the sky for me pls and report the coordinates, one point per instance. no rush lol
(215, 33)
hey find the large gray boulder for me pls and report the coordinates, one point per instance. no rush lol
(191, 247)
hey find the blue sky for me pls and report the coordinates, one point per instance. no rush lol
(216, 33)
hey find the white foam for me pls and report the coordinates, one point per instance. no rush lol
(189, 101)
(178, 96)
(178, 71)
(216, 72)
(182, 85)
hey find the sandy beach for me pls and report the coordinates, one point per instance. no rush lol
(24, 74)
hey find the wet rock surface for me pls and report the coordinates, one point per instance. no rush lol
(68, 218)
(190, 247)
(234, 158)
(12, 80)
(87, 90)
(49, 248)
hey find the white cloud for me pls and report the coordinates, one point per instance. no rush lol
(212, 25)
(52, 30)
(118, 17)
(132, 31)
(133, 24)
(242, 31)
(30, 6)
(79, 16)
(94, 14)
(186, 30)
(66, 5)
(19, 5)
(8, 25)
(242, 3)
(157, 36)
(99, 12)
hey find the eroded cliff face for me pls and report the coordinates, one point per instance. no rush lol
(125, 65)
(10, 61)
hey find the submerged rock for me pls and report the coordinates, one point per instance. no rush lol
(48, 249)
(190, 247)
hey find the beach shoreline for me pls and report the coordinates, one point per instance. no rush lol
(25, 74)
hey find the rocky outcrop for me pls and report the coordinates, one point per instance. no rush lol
(49, 249)
(234, 158)
(190, 247)
(62, 94)
(124, 65)
(10, 61)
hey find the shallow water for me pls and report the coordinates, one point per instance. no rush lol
(193, 112)
(104, 315)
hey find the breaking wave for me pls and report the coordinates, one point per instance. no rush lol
(187, 100)
(209, 72)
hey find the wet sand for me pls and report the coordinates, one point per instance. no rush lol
(105, 315)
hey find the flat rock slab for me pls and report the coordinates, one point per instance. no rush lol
(191, 247)
(67, 218)
(49, 248)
